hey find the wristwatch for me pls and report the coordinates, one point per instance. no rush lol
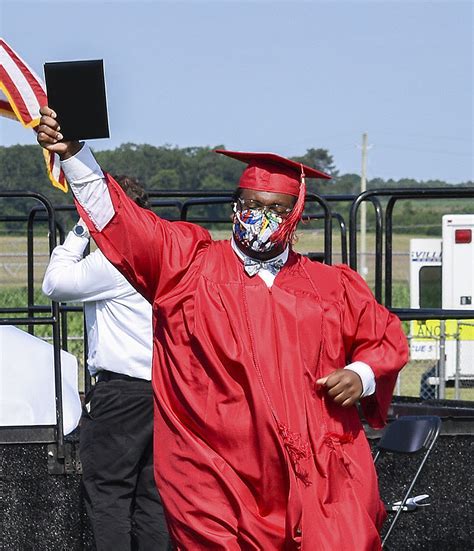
(81, 231)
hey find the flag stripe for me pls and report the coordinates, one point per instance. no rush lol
(25, 94)
(26, 103)
(25, 68)
(16, 100)
(24, 78)
(55, 174)
(6, 110)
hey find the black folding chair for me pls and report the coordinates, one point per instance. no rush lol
(408, 435)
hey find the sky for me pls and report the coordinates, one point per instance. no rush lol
(271, 75)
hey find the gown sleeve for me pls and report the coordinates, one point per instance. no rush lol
(374, 336)
(153, 254)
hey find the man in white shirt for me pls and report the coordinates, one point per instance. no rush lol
(116, 439)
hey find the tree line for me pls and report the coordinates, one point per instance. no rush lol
(193, 169)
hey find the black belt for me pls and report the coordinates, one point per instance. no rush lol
(104, 376)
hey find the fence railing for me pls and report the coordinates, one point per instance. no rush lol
(183, 205)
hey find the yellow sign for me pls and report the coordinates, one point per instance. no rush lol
(430, 329)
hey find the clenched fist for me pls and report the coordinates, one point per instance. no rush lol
(343, 386)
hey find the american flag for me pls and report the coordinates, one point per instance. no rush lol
(22, 93)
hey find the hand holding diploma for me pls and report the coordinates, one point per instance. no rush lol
(49, 135)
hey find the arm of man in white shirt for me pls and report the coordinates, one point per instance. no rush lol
(71, 278)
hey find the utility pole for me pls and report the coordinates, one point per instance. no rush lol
(363, 210)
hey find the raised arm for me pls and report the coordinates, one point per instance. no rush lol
(152, 253)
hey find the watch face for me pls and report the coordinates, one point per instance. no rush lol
(79, 230)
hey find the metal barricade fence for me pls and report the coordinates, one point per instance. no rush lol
(182, 205)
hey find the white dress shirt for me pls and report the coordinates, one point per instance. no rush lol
(90, 188)
(118, 319)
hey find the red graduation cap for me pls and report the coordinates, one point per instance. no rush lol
(273, 173)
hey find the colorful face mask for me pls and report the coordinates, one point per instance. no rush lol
(254, 227)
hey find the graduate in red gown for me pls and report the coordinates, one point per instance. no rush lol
(259, 360)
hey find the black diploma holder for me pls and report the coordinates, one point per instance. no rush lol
(76, 92)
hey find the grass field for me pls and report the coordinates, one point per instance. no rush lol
(13, 254)
(13, 277)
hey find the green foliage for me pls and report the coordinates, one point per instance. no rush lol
(171, 168)
(199, 168)
(319, 159)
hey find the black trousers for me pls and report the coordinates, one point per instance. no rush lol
(116, 450)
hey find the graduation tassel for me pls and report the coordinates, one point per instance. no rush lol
(298, 450)
(344, 438)
(288, 227)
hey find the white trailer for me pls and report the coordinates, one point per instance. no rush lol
(442, 276)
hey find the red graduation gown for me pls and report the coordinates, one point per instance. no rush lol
(249, 453)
